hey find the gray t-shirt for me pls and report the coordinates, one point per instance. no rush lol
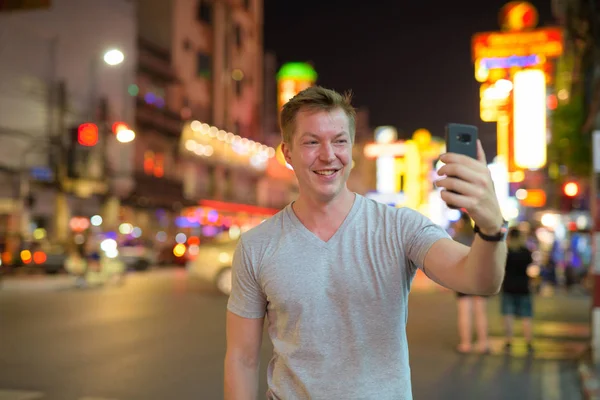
(336, 310)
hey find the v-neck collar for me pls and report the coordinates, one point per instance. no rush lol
(296, 223)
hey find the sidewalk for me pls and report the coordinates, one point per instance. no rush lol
(590, 377)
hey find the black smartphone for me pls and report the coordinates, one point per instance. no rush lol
(461, 139)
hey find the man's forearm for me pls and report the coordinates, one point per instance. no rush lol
(485, 265)
(241, 379)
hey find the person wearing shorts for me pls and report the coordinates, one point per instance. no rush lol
(516, 293)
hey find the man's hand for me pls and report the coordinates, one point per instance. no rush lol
(472, 181)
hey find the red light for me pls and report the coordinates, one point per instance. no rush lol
(236, 207)
(79, 224)
(39, 257)
(149, 163)
(159, 169)
(119, 126)
(87, 134)
(552, 102)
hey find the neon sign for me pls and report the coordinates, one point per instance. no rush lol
(292, 78)
(510, 62)
(546, 42)
(518, 15)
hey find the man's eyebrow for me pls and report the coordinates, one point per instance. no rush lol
(342, 133)
(305, 134)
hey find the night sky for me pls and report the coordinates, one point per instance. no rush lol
(407, 62)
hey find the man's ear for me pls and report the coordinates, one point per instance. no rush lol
(285, 149)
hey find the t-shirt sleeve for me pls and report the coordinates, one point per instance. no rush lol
(247, 298)
(417, 234)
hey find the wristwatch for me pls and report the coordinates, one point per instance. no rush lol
(498, 237)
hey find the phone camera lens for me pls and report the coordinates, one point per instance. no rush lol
(464, 138)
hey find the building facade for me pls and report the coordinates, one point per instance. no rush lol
(201, 67)
(191, 88)
(53, 78)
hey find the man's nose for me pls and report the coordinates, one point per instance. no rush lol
(327, 153)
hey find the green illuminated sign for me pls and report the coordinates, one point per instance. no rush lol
(297, 71)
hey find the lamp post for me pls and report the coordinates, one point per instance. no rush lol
(112, 57)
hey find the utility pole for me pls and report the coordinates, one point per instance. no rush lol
(595, 214)
(593, 125)
(61, 210)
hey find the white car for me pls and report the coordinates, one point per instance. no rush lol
(212, 264)
(137, 256)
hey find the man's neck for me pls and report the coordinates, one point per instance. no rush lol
(314, 213)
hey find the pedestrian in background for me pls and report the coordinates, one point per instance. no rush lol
(516, 291)
(469, 306)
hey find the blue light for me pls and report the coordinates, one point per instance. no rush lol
(111, 235)
(41, 173)
(509, 62)
(183, 222)
(150, 98)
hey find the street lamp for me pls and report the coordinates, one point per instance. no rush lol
(114, 57)
(122, 132)
(125, 135)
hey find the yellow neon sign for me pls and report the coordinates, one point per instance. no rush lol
(374, 150)
(412, 175)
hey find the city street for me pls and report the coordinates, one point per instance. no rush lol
(162, 337)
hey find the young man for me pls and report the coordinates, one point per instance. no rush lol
(332, 271)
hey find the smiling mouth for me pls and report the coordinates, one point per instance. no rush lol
(326, 172)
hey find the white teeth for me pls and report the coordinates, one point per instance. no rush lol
(325, 172)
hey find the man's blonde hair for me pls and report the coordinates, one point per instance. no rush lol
(313, 99)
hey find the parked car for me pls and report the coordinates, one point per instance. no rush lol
(137, 255)
(212, 264)
(169, 255)
(55, 259)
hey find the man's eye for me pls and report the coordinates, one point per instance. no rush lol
(342, 141)
(311, 142)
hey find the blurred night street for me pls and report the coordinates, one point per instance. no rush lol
(161, 336)
(305, 159)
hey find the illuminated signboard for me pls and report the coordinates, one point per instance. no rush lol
(292, 78)
(374, 150)
(493, 98)
(518, 16)
(403, 167)
(534, 198)
(547, 42)
(510, 62)
(529, 118)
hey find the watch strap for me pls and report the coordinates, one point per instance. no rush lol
(498, 237)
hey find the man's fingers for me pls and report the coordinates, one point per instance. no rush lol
(458, 185)
(480, 153)
(456, 199)
(459, 171)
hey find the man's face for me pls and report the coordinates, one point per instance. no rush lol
(320, 153)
